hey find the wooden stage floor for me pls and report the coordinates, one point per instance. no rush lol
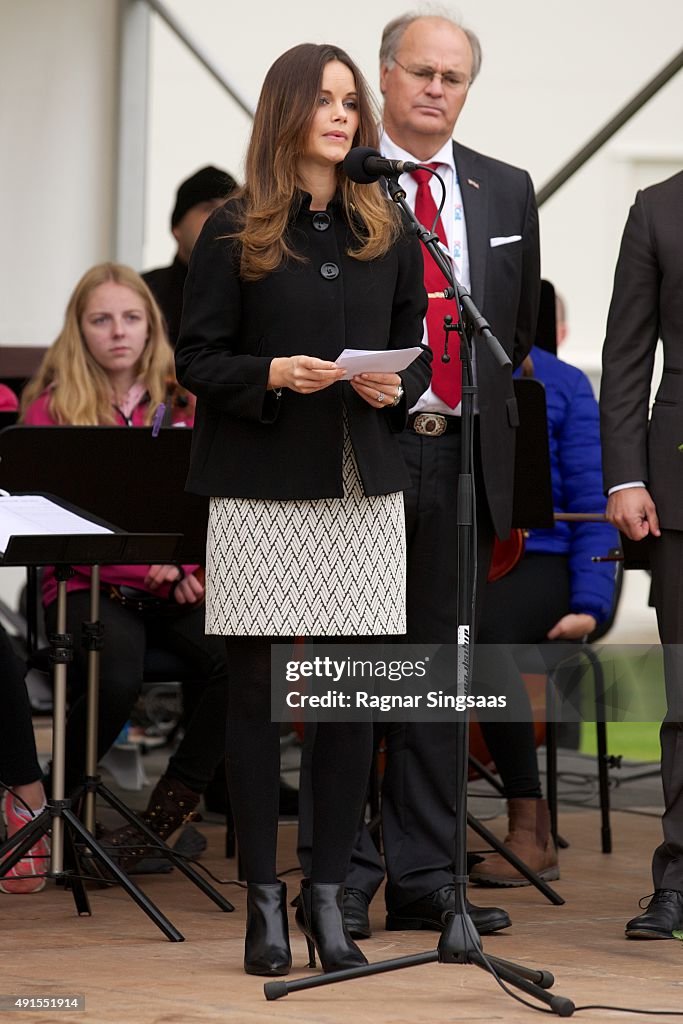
(128, 972)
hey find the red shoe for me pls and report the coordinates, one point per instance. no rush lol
(27, 875)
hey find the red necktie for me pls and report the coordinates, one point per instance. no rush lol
(446, 379)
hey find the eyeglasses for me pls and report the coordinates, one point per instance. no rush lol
(453, 80)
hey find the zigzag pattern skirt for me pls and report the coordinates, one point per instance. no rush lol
(322, 567)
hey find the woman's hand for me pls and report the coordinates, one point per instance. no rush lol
(303, 374)
(378, 389)
(572, 627)
(160, 574)
(189, 590)
(185, 589)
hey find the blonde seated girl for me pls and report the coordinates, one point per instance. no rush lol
(112, 365)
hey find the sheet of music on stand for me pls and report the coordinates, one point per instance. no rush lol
(34, 514)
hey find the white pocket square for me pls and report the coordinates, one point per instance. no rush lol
(505, 240)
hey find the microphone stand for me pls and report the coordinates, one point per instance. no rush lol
(460, 942)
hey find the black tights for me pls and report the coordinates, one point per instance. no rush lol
(341, 765)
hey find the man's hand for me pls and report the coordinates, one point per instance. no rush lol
(633, 511)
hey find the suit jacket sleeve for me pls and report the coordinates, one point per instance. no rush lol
(530, 292)
(629, 352)
(209, 362)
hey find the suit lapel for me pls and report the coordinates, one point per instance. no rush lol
(473, 181)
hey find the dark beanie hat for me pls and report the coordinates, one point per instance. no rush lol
(207, 183)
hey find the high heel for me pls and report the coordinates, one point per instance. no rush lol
(319, 916)
(266, 945)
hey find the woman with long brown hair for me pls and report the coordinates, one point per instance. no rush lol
(304, 472)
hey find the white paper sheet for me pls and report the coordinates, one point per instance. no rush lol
(29, 514)
(360, 360)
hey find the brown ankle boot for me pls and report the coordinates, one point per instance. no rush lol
(170, 805)
(529, 837)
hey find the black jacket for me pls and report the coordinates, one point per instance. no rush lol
(247, 442)
(500, 206)
(166, 285)
(647, 304)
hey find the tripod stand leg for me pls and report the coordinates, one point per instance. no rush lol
(162, 922)
(177, 859)
(21, 842)
(74, 877)
(276, 989)
(510, 972)
(544, 979)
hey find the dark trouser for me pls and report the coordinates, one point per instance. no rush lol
(666, 560)
(18, 760)
(419, 788)
(127, 635)
(340, 759)
(520, 608)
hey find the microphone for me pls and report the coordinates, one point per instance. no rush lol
(365, 165)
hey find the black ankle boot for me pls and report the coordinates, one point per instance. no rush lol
(266, 945)
(319, 916)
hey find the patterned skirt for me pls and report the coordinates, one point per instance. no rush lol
(321, 567)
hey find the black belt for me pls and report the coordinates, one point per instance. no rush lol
(434, 424)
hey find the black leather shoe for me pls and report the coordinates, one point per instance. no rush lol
(319, 916)
(663, 916)
(430, 912)
(266, 945)
(355, 907)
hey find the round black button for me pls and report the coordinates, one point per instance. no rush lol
(330, 271)
(321, 221)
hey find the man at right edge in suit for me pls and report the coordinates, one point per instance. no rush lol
(427, 66)
(643, 475)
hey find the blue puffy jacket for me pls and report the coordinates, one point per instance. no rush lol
(576, 467)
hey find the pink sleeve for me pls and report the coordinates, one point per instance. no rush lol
(37, 414)
(8, 400)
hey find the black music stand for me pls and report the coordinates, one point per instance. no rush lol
(132, 458)
(532, 496)
(63, 551)
(143, 486)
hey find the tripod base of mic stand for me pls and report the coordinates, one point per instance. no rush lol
(456, 946)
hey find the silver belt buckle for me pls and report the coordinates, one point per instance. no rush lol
(430, 424)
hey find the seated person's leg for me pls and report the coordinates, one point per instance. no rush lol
(519, 609)
(121, 669)
(20, 772)
(202, 749)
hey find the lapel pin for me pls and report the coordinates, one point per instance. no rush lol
(473, 183)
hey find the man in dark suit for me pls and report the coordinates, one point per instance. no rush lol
(427, 65)
(197, 197)
(643, 476)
